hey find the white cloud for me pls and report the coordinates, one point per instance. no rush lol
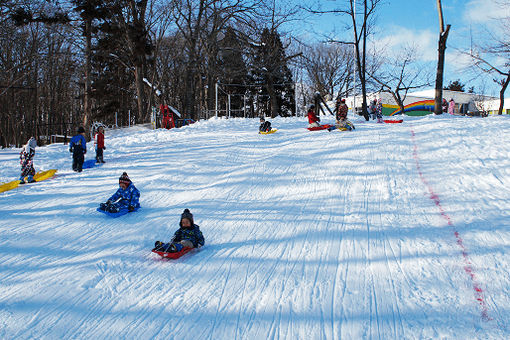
(481, 11)
(396, 38)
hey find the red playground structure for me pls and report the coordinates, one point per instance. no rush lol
(167, 122)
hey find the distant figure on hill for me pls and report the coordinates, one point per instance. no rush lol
(26, 157)
(373, 109)
(265, 125)
(451, 106)
(313, 120)
(379, 108)
(78, 146)
(99, 143)
(341, 117)
(444, 106)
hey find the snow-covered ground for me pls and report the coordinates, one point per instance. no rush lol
(393, 231)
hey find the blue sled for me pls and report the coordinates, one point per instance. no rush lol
(117, 214)
(90, 164)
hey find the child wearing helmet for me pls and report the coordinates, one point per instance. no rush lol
(187, 236)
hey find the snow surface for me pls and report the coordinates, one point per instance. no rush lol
(371, 234)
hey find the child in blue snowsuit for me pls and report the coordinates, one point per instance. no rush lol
(188, 235)
(125, 198)
(78, 146)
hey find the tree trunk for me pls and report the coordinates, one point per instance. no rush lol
(140, 93)
(443, 35)
(87, 111)
(440, 69)
(502, 94)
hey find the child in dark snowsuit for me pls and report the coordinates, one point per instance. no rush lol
(99, 143)
(26, 157)
(265, 126)
(125, 198)
(78, 146)
(188, 235)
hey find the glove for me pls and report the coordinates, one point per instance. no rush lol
(104, 147)
(131, 208)
(108, 202)
(70, 149)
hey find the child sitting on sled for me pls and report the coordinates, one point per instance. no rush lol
(126, 197)
(188, 235)
(265, 125)
(26, 157)
(342, 123)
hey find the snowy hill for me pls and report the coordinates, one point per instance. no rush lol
(393, 231)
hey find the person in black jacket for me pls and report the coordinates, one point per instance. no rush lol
(188, 235)
(265, 125)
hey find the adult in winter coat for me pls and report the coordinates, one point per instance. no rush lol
(78, 146)
(265, 125)
(313, 120)
(188, 235)
(99, 143)
(26, 157)
(126, 197)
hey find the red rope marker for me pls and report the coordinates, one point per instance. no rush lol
(468, 268)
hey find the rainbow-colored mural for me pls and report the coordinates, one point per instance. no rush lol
(421, 108)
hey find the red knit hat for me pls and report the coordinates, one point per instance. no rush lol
(124, 178)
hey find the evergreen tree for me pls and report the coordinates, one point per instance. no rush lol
(271, 73)
(455, 86)
(233, 69)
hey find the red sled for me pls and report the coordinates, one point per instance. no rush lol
(172, 255)
(391, 121)
(322, 127)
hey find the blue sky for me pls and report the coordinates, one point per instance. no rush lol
(416, 22)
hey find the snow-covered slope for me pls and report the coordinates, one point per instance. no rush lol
(393, 231)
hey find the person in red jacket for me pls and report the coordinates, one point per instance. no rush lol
(99, 144)
(313, 120)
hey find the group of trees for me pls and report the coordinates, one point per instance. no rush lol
(67, 63)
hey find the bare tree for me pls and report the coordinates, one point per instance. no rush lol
(492, 56)
(329, 68)
(361, 13)
(399, 74)
(443, 35)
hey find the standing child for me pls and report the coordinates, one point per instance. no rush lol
(78, 146)
(188, 235)
(26, 157)
(451, 106)
(265, 125)
(99, 143)
(379, 110)
(125, 198)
